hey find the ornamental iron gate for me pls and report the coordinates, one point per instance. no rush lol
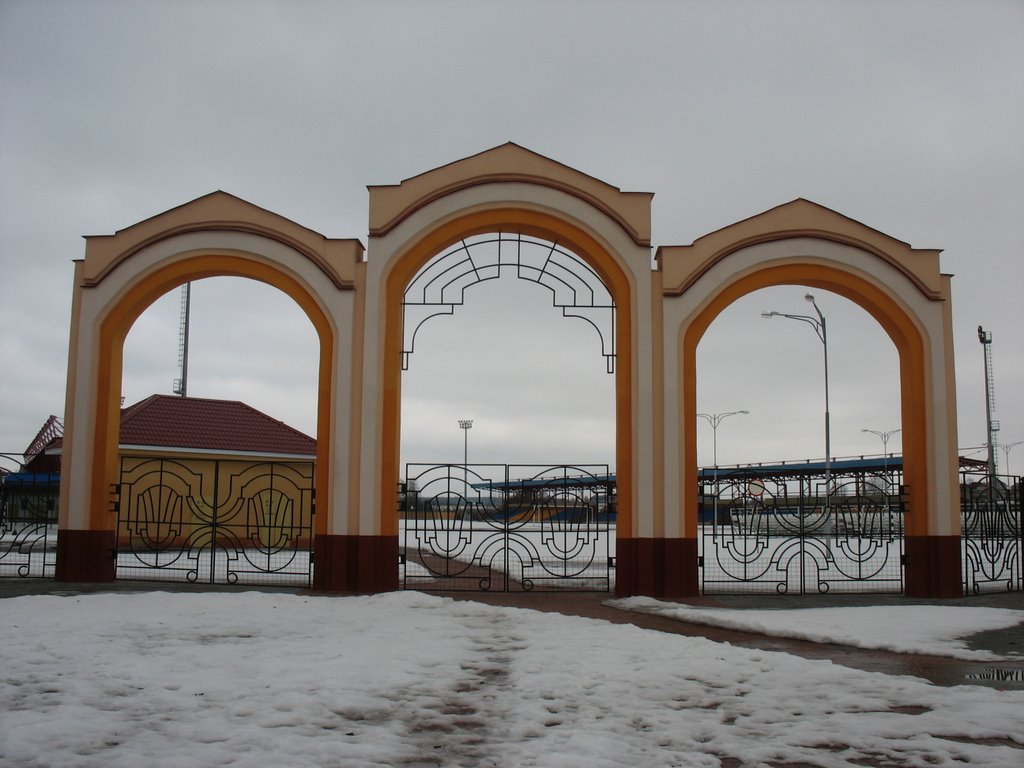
(991, 530)
(507, 528)
(215, 521)
(791, 533)
(28, 521)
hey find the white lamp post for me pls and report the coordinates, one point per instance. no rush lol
(714, 419)
(884, 436)
(1007, 447)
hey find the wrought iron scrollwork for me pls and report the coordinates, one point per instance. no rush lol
(507, 527)
(991, 532)
(792, 534)
(215, 521)
(440, 286)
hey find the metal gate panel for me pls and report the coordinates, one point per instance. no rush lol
(220, 521)
(508, 528)
(28, 523)
(991, 530)
(786, 535)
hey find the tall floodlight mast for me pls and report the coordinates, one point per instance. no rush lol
(181, 383)
(985, 337)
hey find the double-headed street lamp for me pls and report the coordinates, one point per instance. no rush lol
(884, 436)
(818, 324)
(1007, 447)
(714, 419)
(885, 449)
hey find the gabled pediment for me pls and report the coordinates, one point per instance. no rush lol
(220, 211)
(392, 204)
(682, 265)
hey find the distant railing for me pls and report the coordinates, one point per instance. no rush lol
(28, 519)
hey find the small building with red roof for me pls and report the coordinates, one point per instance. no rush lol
(169, 425)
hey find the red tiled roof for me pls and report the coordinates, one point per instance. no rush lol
(216, 425)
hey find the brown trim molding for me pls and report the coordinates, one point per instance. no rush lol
(85, 555)
(656, 567)
(933, 566)
(355, 563)
(512, 178)
(816, 234)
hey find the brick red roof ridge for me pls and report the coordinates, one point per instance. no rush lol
(261, 414)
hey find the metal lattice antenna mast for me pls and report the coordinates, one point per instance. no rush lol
(181, 384)
(985, 337)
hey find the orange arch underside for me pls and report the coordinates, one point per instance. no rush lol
(535, 224)
(901, 329)
(114, 330)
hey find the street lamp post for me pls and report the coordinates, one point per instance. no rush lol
(820, 328)
(885, 453)
(1007, 447)
(714, 419)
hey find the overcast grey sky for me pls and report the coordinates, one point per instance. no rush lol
(906, 116)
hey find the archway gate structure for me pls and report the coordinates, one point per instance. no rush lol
(664, 305)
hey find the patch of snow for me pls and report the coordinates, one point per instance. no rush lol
(922, 629)
(254, 679)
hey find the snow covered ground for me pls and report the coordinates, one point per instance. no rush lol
(927, 629)
(407, 679)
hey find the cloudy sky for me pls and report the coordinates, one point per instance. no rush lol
(906, 116)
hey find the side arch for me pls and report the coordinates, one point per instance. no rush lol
(129, 306)
(102, 315)
(918, 325)
(899, 326)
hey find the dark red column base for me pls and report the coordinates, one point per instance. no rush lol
(933, 566)
(355, 563)
(85, 555)
(656, 567)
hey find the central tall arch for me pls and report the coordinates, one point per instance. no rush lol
(508, 189)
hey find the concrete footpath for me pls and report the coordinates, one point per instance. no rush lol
(939, 670)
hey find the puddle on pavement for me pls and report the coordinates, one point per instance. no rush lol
(1000, 675)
